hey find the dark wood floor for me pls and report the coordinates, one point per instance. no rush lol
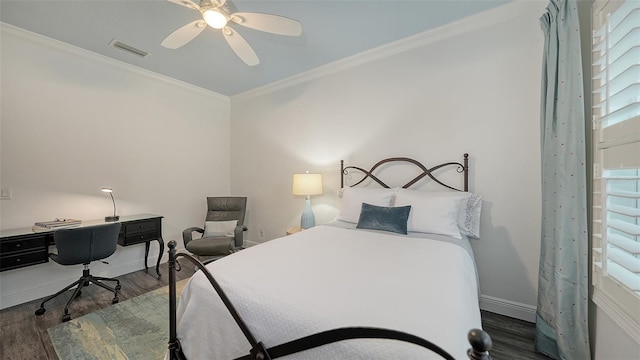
(24, 335)
(512, 338)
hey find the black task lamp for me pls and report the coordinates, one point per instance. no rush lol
(114, 217)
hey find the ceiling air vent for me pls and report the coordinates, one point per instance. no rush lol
(128, 48)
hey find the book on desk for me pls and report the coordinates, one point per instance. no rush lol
(55, 224)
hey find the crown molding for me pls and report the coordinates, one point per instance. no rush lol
(93, 56)
(465, 25)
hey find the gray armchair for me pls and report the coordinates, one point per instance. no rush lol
(221, 235)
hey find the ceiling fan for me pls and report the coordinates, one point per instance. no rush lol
(216, 13)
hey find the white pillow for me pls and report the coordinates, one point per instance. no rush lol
(220, 228)
(431, 213)
(470, 209)
(352, 199)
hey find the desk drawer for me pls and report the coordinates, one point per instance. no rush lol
(139, 227)
(131, 239)
(23, 259)
(22, 244)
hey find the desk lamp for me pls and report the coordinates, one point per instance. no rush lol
(114, 217)
(307, 185)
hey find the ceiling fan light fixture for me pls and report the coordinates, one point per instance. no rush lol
(215, 19)
(216, 14)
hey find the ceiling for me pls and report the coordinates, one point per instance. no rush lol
(331, 30)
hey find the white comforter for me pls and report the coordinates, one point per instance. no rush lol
(326, 277)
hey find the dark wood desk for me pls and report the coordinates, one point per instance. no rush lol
(25, 247)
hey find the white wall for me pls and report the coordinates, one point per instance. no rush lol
(613, 343)
(472, 86)
(72, 122)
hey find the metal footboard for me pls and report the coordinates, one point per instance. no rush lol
(479, 339)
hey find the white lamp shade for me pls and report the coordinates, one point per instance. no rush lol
(307, 184)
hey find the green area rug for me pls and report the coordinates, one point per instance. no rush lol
(135, 329)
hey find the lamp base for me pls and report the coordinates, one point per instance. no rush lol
(112, 218)
(307, 220)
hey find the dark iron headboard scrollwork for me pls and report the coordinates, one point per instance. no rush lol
(462, 168)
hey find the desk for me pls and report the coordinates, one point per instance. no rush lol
(25, 247)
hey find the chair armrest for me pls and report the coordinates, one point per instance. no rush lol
(187, 234)
(238, 236)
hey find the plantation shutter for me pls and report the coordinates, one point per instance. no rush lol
(616, 135)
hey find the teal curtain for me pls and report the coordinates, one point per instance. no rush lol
(561, 319)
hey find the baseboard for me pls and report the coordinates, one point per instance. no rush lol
(7, 301)
(508, 308)
(250, 243)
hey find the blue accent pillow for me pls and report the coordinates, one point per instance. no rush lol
(384, 218)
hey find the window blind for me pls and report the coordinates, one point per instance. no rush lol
(616, 157)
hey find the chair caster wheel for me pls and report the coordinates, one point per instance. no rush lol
(66, 317)
(115, 300)
(117, 287)
(40, 311)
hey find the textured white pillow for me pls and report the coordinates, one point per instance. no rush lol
(469, 216)
(431, 213)
(220, 228)
(352, 199)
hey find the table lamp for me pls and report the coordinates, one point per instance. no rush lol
(114, 217)
(307, 185)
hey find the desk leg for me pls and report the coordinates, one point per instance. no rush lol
(146, 253)
(161, 245)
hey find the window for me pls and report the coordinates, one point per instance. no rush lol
(616, 157)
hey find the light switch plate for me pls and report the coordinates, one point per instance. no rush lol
(5, 194)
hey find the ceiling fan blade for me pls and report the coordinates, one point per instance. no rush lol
(217, 3)
(187, 3)
(269, 23)
(184, 34)
(240, 46)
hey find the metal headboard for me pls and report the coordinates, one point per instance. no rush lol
(462, 168)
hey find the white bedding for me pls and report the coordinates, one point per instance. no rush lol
(328, 277)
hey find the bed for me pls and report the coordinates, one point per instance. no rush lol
(379, 282)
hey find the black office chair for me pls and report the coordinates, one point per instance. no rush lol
(229, 208)
(83, 245)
